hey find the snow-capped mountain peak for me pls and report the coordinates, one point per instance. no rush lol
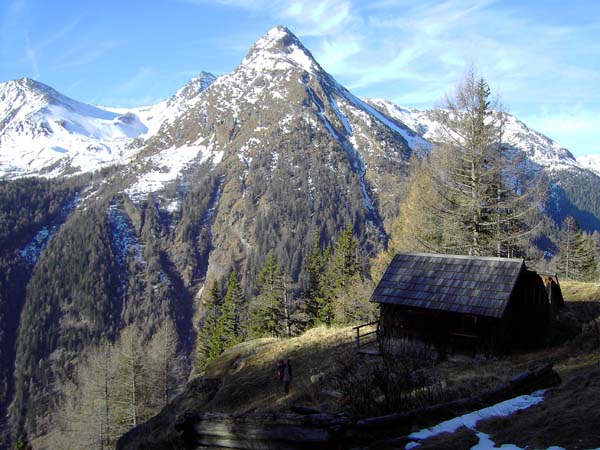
(43, 132)
(34, 95)
(279, 49)
(538, 148)
(167, 111)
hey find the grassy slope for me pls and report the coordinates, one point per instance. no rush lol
(249, 376)
(249, 380)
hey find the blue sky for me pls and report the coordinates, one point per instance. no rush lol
(541, 57)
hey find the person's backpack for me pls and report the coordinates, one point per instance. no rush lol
(280, 369)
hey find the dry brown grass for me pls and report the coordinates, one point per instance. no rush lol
(249, 376)
(577, 291)
(249, 379)
(250, 382)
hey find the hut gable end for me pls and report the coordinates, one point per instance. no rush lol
(479, 286)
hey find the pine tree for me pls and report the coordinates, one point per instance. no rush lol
(345, 260)
(210, 337)
(577, 257)
(341, 272)
(316, 262)
(269, 313)
(231, 313)
(471, 195)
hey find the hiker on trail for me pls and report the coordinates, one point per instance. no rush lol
(287, 376)
(280, 369)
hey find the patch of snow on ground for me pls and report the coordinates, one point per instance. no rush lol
(173, 206)
(274, 160)
(341, 116)
(124, 235)
(285, 122)
(168, 165)
(32, 251)
(300, 57)
(470, 420)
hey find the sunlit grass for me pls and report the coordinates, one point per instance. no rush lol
(578, 291)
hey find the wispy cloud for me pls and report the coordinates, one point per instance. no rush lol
(31, 56)
(308, 17)
(84, 53)
(142, 75)
(62, 32)
(317, 18)
(34, 51)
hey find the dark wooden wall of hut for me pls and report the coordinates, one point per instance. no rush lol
(448, 332)
(525, 324)
(528, 312)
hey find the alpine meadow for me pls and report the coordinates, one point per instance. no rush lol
(156, 262)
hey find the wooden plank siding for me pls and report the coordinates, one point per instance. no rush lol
(463, 303)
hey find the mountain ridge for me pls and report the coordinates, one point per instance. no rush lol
(111, 141)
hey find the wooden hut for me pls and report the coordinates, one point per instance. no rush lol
(464, 303)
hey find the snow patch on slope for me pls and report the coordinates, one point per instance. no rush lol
(124, 235)
(470, 420)
(168, 164)
(32, 251)
(591, 162)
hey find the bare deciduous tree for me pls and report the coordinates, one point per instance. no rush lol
(117, 386)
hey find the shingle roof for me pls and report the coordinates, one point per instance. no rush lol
(464, 284)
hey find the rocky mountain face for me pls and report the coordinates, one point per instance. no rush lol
(265, 158)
